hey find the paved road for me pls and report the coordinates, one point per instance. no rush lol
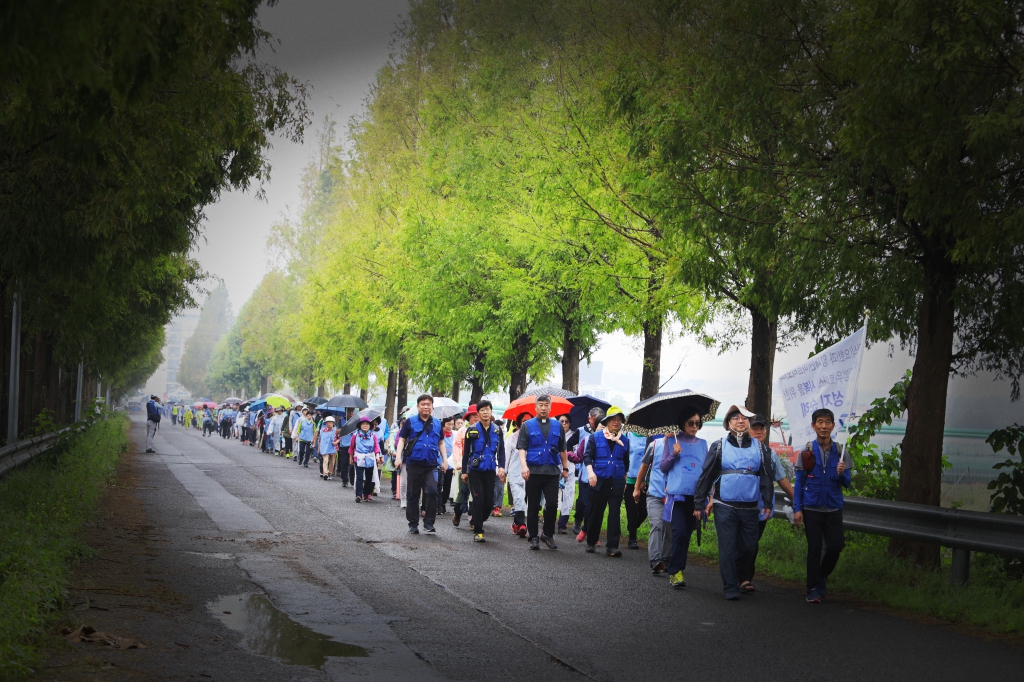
(443, 607)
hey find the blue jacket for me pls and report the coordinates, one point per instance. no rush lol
(821, 488)
(540, 451)
(609, 461)
(488, 445)
(425, 448)
(153, 411)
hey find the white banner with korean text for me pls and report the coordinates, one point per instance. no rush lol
(828, 379)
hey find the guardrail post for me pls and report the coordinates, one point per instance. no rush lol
(961, 568)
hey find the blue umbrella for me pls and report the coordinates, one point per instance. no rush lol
(331, 409)
(581, 406)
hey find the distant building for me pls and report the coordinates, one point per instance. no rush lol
(164, 381)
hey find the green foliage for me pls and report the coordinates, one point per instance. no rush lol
(214, 321)
(877, 473)
(43, 505)
(1009, 485)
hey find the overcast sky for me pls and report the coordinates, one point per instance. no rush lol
(337, 46)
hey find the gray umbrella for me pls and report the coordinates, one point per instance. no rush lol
(346, 400)
(549, 390)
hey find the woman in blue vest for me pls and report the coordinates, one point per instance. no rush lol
(680, 458)
(483, 461)
(607, 460)
(326, 446)
(744, 492)
(636, 505)
(364, 449)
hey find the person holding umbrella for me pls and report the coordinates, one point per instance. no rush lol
(607, 460)
(680, 458)
(543, 458)
(419, 442)
(483, 460)
(739, 473)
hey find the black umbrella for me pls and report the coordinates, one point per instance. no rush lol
(549, 390)
(581, 406)
(352, 425)
(660, 413)
(314, 401)
(345, 400)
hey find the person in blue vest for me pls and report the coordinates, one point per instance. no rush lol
(153, 415)
(364, 449)
(326, 446)
(636, 505)
(681, 460)
(421, 448)
(650, 482)
(607, 460)
(739, 474)
(306, 431)
(822, 471)
(578, 443)
(542, 458)
(483, 461)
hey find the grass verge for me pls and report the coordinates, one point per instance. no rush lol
(42, 508)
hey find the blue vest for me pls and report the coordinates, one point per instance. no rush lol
(656, 485)
(637, 445)
(609, 462)
(306, 431)
(485, 446)
(539, 451)
(327, 442)
(740, 481)
(425, 450)
(364, 453)
(682, 477)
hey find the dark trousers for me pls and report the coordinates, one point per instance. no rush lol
(683, 525)
(446, 486)
(288, 444)
(207, 428)
(747, 574)
(636, 512)
(421, 480)
(582, 502)
(463, 506)
(305, 448)
(344, 468)
(546, 485)
(607, 493)
(827, 526)
(737, 540)
(364, 480)
(481, 483)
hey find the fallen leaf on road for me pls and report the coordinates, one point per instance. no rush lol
(87, 633)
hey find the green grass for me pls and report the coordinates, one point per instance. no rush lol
(43, 505)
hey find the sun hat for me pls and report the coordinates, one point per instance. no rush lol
(470, 410)
(330, 418)
(613, 412)
(733, 411)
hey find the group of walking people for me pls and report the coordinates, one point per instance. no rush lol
(552, 472)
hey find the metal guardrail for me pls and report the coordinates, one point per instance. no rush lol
(961, 530)
(18, 453)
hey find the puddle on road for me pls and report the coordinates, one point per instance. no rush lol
(271, 632)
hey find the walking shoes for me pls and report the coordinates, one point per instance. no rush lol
(676, 580)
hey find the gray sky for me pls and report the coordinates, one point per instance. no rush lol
(338, 46)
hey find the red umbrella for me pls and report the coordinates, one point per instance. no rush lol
(528, 404)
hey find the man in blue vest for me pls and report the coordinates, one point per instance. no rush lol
(740, 475)
(483, 461)
(543, 458)
(421, 436)
(152, 421)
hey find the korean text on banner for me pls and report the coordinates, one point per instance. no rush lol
(829, 379)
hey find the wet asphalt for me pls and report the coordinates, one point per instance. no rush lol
(432, 607)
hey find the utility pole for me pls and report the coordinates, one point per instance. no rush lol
(15, 383)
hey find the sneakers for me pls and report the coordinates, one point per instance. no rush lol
(534, 543)
(344, 484)
(590, 549)
(496, 512)
(329, 477)
(822, 588)
(429, 529)
(616, 553)
(576, 529)
(561, 530)
(358, 499)
(813, 596)
(549, 542)
(677, 581)
(658, 568)
(457, 519)
(479, 537)
(581, 536)
(150, 451)
(366, 498)
(414, 530)
(633, 544)
(518, 529)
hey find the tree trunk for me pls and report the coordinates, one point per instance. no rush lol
(402, 392)
(921, 459)
(763, 341)
(520, 367)
(264, 383)
(456, 387)
(389, 399)
(650, 378)
(348, 388)
(476, 381)
(570, 360)
(362, 394)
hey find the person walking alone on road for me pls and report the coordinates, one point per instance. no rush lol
(364, 449)
(543, 459)
(822, 471)
(759, 432)
(740, 476)
(421, 448)
(483, 460)
(681, 459)
(153, 415)
(607, 460)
